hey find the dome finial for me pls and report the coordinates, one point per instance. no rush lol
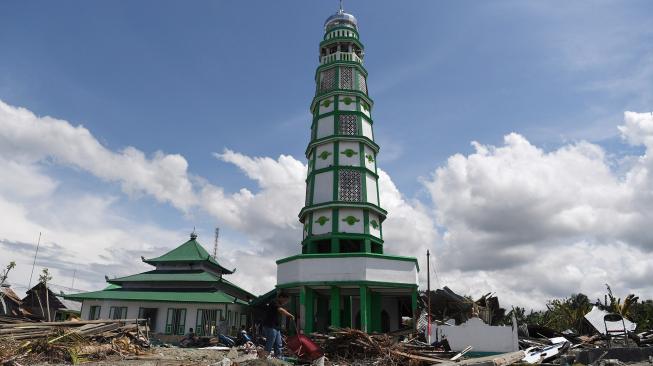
(341, 10)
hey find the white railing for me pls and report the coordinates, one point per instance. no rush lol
(340, 56)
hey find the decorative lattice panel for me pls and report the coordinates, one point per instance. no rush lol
(362, 84)
(327, 81)
(348, 125)
(346, 78)
(349, 187)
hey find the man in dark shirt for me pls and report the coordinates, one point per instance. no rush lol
(271, 323)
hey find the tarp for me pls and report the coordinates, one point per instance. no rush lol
(595, 317)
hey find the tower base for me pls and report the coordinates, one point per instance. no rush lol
(370, 292)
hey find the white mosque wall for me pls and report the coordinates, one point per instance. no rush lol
(326, 107)
(370, 185)
(332, 269)
(367, 130)
(323, 188)
(324, 127)
(375, 231)
(316, 224)
(369, 164)
(324, 156)
(357, 222)
(353, 149)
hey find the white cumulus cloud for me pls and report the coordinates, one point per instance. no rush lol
(559, 221)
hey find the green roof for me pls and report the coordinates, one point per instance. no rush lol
(172, 296)
(190, 251)
(168, 276)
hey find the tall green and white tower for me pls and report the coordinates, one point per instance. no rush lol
(342, 277)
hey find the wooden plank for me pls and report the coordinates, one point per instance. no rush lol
(70, 323)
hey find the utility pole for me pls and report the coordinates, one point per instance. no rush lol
(34, 263)
(215, 243)
(72, 285)
(428, 296)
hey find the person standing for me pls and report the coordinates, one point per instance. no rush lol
(271, 324)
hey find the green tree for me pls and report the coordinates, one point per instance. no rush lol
(3, 278)
(44, 278)
(617, 306)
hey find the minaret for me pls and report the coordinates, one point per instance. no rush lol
(342, 246)
(342, 212)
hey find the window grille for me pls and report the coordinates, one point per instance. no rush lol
(94, 313)
(349, 187)
(327, 80)
(176, 321)
(348, 124)
(362, 84)
(346, 78)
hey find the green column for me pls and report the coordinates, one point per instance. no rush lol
(365, 308)
(335, 306)
(414, 306)
(335, 245)
(306, 300)
(346, 319)
(375, 312)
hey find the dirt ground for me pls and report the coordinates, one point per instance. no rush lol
(160, 356)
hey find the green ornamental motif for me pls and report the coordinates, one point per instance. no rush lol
(326, 103)
(365, 106)
(370, 158)
(322, 220)
(348, 100)
(324, 155)
(349, 153)
(374, 224)
(351, 220)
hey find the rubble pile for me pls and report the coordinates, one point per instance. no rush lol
(344, 346)
(72, 341)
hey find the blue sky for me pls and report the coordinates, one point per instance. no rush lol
(196, 78)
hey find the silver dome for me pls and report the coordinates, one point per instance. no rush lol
(341, 18)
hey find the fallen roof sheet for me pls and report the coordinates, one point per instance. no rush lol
(595, 317)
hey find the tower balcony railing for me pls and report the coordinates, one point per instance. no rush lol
(340, 56)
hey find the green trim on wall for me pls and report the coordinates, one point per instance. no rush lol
(335, 214)
(342, 235)
(341, 28)
(366, 222)
(328, 93)
(334, 138)
(336, 112)
(349, 255)
(348, 284)
(344, 204)
(336, 168)
(328, 42)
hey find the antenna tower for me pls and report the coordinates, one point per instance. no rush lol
(215, 243)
